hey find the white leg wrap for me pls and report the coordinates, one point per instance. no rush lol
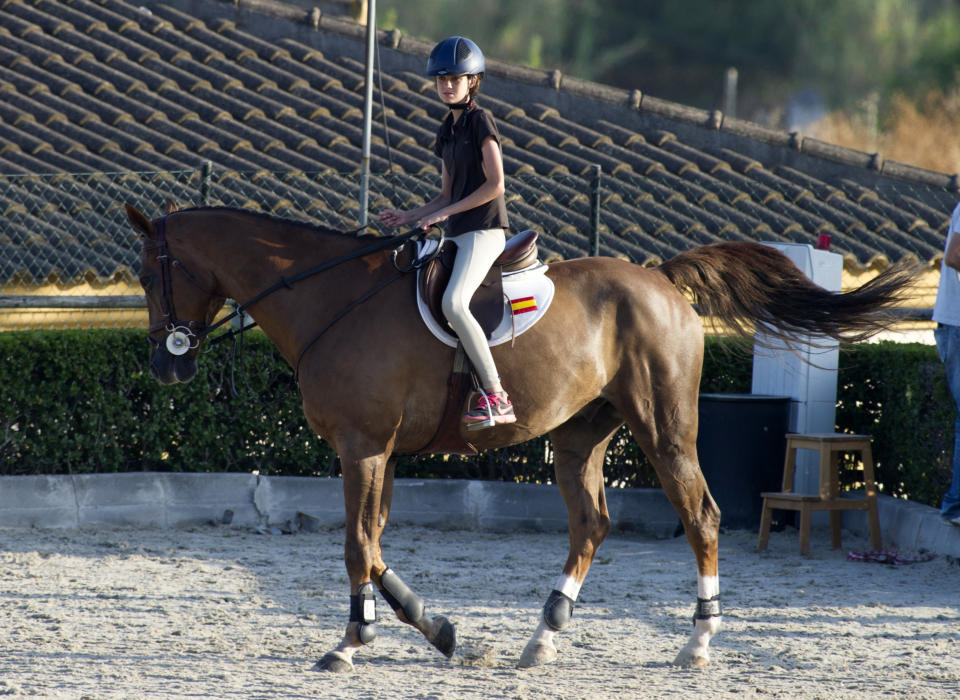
(707, 586)
(697, 650)
(568, 586)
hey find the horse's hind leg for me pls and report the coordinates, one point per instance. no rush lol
(368, 489)
(578, 447)
(701, 524)
(670, 442)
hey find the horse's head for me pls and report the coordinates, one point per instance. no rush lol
(181, 306)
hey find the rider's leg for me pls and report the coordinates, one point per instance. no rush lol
(476, 252)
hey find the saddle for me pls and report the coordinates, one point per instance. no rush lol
(487, 306)
(487, 302)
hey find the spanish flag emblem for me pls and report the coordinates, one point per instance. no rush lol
(523, 305)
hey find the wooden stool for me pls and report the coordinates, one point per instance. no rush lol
(829, 445)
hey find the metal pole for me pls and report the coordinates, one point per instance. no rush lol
(367, 111)
(205, 175)
(730, 79)
(595, 211)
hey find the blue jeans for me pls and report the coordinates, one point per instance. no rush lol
(948, 345)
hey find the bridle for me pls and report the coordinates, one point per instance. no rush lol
(182, 336)
(186, 335)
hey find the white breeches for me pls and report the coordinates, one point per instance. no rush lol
(476, 252)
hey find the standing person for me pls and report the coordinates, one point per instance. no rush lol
(946, 312)
(471, 202)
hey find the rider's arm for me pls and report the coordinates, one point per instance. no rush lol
(395, 217)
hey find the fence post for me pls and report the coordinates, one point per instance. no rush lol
(595, 211)
(206, 172)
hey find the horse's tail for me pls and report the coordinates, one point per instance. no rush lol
(741, 284)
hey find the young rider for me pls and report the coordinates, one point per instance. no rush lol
(471, 202)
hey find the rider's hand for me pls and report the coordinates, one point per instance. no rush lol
(393, 217)
(431, 219)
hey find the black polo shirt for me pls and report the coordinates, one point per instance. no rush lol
(459, 147)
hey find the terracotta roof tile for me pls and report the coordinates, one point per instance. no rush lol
(28, 78)
(83, 14)
(588, 137)
(138, 44)
(568, 158)
(536, 129)
(266, 50)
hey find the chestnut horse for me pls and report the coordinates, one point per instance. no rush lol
(619, 344)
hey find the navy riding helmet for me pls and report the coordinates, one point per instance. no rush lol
(456, 55)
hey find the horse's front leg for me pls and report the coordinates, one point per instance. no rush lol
(363, 480)
(407, 605)
(368, 487)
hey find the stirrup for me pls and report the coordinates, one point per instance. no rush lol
(489, 422)
(481, 425)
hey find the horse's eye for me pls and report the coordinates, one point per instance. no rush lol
(146, 281)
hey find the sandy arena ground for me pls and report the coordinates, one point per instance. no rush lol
(220, 612)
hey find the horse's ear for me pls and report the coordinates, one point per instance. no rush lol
(139, 221)
(170, 206)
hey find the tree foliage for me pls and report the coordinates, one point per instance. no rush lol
(680, 49)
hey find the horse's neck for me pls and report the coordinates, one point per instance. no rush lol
(266, 259)
(277, 262)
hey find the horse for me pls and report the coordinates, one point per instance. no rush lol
(620, 343)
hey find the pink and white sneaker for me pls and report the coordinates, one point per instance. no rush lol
(489, 410)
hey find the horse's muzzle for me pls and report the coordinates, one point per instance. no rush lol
(167, 368)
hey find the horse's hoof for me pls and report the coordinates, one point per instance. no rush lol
(537, 654)
(334, 662)
(687, 660)
(446, 637)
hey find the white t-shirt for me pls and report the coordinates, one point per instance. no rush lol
(947, 307)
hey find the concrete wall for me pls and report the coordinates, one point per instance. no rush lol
(153, 499)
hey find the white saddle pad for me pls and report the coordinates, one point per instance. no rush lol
(528, 293)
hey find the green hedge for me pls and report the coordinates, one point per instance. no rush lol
(898, 393)
(84, 401)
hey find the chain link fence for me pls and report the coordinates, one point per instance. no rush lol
(69, 257)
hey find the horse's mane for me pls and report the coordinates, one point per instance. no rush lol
(273, 218)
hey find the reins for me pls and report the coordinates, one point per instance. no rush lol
(288, 282)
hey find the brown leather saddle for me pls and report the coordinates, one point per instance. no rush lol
(487, 303)
(487, 306)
